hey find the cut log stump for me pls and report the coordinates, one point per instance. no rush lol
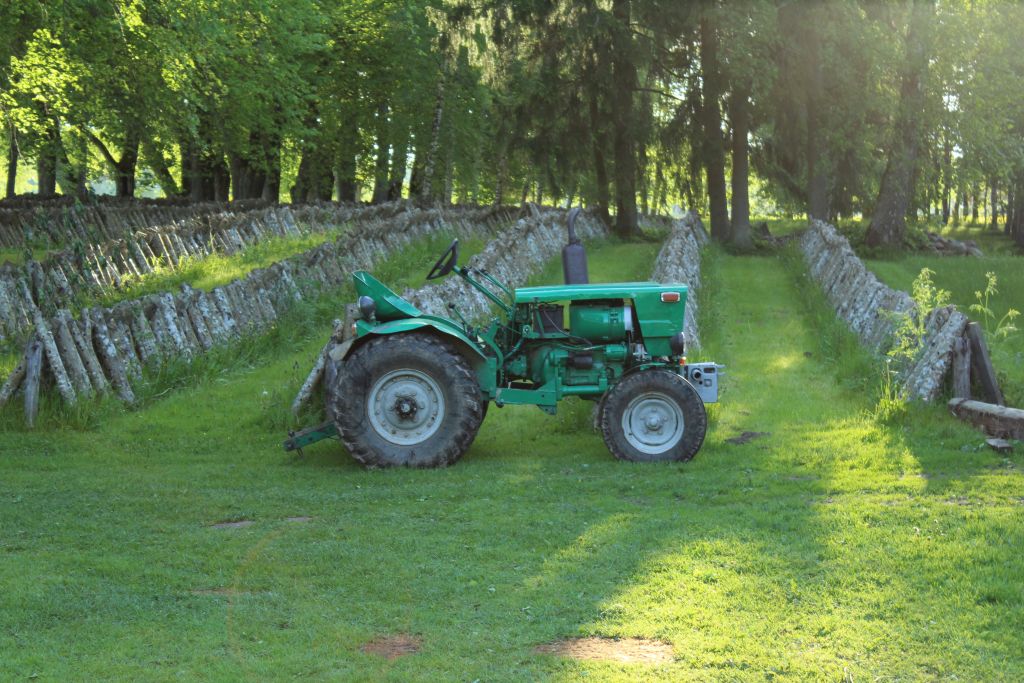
(995, 420)
(981, 365)
(962, 368)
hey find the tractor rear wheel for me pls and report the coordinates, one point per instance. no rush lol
(653, 416)
(407, 399)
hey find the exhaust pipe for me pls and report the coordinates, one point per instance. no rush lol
(574, 256)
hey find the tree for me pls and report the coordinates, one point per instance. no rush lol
(713, 152)
(888, 223)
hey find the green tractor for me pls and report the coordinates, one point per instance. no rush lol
(407, 388)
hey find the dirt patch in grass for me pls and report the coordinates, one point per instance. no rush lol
(232, 524)
(746, 436)
(393, 647)
(222, 590)
(625, 650)
(300, 518)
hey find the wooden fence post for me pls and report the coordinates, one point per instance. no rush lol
(962, 368)
(981, 365)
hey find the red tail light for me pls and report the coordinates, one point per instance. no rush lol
(670, 297)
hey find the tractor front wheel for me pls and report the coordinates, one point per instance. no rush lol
(652, 416)
(409, 399)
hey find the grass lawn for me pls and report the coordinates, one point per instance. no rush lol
(835, 548)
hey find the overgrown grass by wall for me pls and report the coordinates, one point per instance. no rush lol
(210, 271)
(962, 277)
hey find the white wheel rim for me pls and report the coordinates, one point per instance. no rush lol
(405, 407)
(653, 423)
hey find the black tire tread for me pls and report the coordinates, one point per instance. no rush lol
(618, 397)
(351, 381)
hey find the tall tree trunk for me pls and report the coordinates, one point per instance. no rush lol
(416, 177)
(714, 144)
(1011, 209)
(1015, 224)
(204, 175)
(314, 180)
(70, 178)
(161, 169)
(817, 180)
(12, 160)
(46, 166)
(449, 178)
(739, 114)
(345, 164)
(429, 165)
(216, 179)
(974, 204)
(190, 184)
(501, 180)
(599, 142)
(889, 222)
(947, 181)
(624, 84)
(994, 188)
(383, 163)
(399, 164)
(126, 166)
(271, 190)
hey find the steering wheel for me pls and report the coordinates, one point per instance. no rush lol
(447, 261)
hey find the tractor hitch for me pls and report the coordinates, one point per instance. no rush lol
(296, 441)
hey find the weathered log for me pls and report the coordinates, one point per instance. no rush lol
(81, 332)
(981, 365)
(56, 364)
(33, 373)
(132, 314)
(69, 354)
(312, 380)
(995, 420)
(189, 301)
(225, 310)
(110, 358)
(961, 368)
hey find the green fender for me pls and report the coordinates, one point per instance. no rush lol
(486, 367)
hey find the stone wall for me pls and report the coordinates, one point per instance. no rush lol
(64, 276)
(106, 349)
(871, 309)
(60, 221)
(679, 261)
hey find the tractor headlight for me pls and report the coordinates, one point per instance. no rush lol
(367, 307)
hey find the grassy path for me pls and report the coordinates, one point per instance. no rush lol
(832, 548)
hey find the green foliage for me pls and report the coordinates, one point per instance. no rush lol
(997, 327)
(267, 98)
(908, 340)
(961, 276)
(908, 337)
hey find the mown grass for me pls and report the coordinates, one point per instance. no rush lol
(833, 549)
